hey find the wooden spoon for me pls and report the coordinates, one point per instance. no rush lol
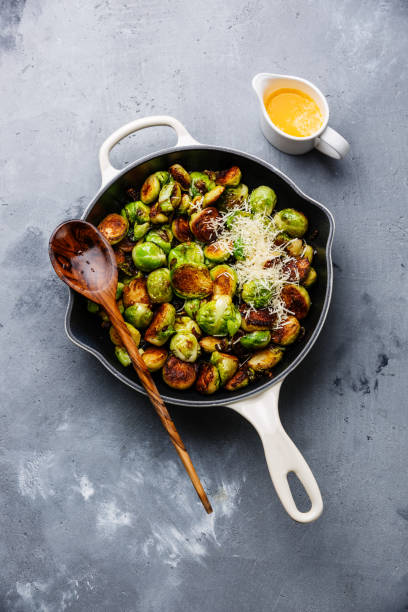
(86, 262)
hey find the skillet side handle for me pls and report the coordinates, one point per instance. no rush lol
(281, 454)
(108, 171)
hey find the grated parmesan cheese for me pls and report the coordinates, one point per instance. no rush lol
(256, 236)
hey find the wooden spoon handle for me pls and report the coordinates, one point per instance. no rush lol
(149, 384)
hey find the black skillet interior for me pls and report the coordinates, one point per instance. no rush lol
(85, 329)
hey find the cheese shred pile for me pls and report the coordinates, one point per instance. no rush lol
(251, 239)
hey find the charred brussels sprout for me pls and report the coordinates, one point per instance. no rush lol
(242, 377)
(188, 252)
(219, 317)
(135, 333)
(216, 252)
(297, 300)
(233, 197)
(257, 294)
(148, 256)
(287, 332)
(224, 280)
(262, 200)
(178, 374)
(229, 178)
(185, 346)
(212, 196)
(159, 287)
(200, 183)
(297, 269)
(157, 216)
(162, 237)
(191, 281)
(191, 307)
(186, 204)
(181, 229)
(136, 292)
(163, 176)
(139, 315)
(122, 356)
(180, 175)
(114, 228)
(265, 359)
(310, 278)
(162, 326)
(150, 189)
(208, 379)
(294, 247)
(209, 344)
(291, 221)
(226, 365)
(260, 319)
(255, 340)
(188, 325)
(154, 357)
(203, 224)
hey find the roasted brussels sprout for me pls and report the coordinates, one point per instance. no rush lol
(257, 294)
(226, 365)
(157, 216)
(262, 200)
(125, 263)
(216, 252)
(209, 344)
(122, 356)
(229, 178)
(287, 332)
(297, 269)
(212, 196)
(135, 333)
(178, 374)
(219, 317)
(265, 359)
(291, 221)
(203, 224)
(191, 280)
(92, 307)
(310, 278)
(180, 175)
(192, 306)
(181, 229)
(187, 252)
(136, 293)
(242, 377)
(154, 357)
(294, 247)
(200, 183)
(163, 176)
(162, 237)
(162, 326)
(256, 320)
(148, 256)
(159, 286)
(186, 205)
(186, 324)
(114, 228)
(119, 290)
(297, 300)
(139, 315)
(135, 212)
(169, 197)
(208, 379)
(233, 197)
(140, 230)
(185, 346)
(308, 252)
(128, 279)
(224, 280)
(150, 189)
(255, 340)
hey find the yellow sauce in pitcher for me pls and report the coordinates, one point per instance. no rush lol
(294, 112)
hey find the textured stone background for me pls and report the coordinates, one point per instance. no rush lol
(96, 512)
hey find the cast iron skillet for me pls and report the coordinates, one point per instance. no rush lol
(258, 403)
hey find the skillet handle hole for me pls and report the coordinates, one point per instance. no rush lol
(299, 494)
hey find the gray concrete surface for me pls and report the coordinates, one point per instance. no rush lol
(96, 512)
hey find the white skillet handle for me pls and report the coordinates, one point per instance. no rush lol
(282, 456)
(108, 171)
